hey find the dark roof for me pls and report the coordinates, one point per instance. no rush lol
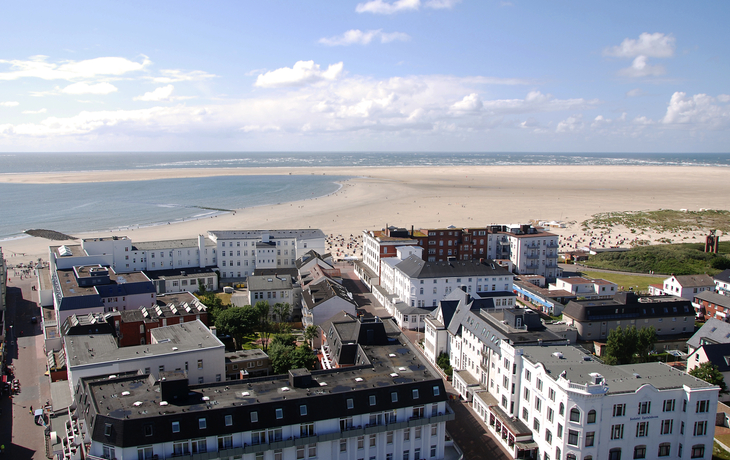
(723, 276)
(719, 355)
(713, 331)
(415, 267)
(628, 305)
(322, 291)
(189, 272)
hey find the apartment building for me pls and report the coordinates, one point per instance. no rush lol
(585, 288)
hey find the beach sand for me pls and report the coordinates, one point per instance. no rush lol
(427, 197)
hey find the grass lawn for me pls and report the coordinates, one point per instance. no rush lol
(718, 453)
(639, 283)
(225, 298)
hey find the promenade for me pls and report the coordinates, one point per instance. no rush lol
(22, 438)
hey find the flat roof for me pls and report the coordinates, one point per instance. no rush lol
(172, 244)
(275, 234)
(95, 348)
(619, 379)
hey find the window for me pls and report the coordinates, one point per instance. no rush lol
(614, 454)
(407, 434)
(372, 440)
(225, 442)
(350, 403)
(550, 413)
(434, 430)
(561, 409)
(617, 431)
(417, 453)
(202, 423)
(591, 416)
(144, 453)
(575, 415)
(560, 431)
(664, 449)
(539, 384)
(528, 375)
(417, 434)
(343, 445)
(640, 452)
(642, 429)
(371, 398)
(551, 394)
(538, 404)
(668, 405)
(415, 393)
(644, 407)
(700, 428)
(703, 406)
(406, 454)
(361, 442)
(254, 416)
(572, 437)
(200, 364)
(175, 427)
(525, 414)
(527, 393)
(590, 437)
(306, 429)
(148, 430)
(279, 413)
(548, 436)
(436, 390)
(667, 426)
(389, 437)
(536, 424)
(303, 409)
(698, 451)
(229, 420)
(619, 410)
(180, 448)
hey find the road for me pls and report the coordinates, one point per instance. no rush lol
(468, 432)
(22, 438)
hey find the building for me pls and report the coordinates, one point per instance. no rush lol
(532, 251)
(244, 364)
(687, 286)
(388, 406)
(322, 299)
(710, 304)
(188, 347)
(187, 280)
(272, 289)
(240, 252)
(716, 353)
(595, 319)
(86, 289)
(713, 331)
(379, 245)
(722, 282)
(134, 327)
(586, 288)
(575, 407)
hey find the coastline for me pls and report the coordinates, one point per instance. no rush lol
(423, 197)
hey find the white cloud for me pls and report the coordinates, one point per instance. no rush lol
(303, 73)
(441, 4)
(9, 104)
(86, 88)
(723, 97)
(33, 112)
(698, 111)
(358, 37)
(382, 7)
(162, 93)
(571, 124)
(641, 68)
(176, 75)
(636, 92)
(38, 67)
(656, 45)
(470, 103)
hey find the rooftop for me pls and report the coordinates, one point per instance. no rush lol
(275, 234)
(171, 244)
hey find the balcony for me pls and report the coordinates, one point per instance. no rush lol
(533, 256)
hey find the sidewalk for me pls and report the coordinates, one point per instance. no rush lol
(23, 439)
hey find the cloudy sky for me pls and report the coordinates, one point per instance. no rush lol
(370, 75)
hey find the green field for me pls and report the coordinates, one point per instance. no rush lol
(626, 281)
(663, 220)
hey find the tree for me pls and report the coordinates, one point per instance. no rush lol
(710, 374)
(284, 339)
(238, 322)
(285, 355)
(311, 333)
(303, 357)
(265, 327)
(280, 357)
(646, 339)
(201, 287)
(625, 346)
(281, 311)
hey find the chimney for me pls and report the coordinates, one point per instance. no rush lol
(411, 231)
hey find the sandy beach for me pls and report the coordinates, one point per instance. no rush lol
(427, 197)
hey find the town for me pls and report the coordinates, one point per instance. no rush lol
(283, 344)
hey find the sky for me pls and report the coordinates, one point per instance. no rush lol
(368, 75)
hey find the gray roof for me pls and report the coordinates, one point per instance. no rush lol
(714, 298)
(301, 234)
(694, 280)
(415, 267)
(326, 289)
(269, 283)
(619, 379)
(171, 244)
(94, 349)
(713, 331)
(627, 305)
(245, 355)
(406, 309)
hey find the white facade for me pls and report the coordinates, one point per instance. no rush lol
(241, 252)
(588, 288)
(534, 254)
(688, 286)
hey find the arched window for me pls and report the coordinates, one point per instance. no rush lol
(664, 449)
(614, 454)
(562, 409)
(640, 452)
(570, 456)
(575, 415)
(588, 457)
(591, 416)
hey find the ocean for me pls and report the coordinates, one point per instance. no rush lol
(74, 208)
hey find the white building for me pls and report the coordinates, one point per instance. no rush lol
(686, 286)
(324, 298)
(272, 289)
(188, 347)
(584, 287)
(722, 282)
(240, 252)
(532, 252)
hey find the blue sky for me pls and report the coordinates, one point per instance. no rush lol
(370, 75)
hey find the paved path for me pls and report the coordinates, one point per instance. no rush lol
(23, 439)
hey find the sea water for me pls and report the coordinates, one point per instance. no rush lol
(73, 208)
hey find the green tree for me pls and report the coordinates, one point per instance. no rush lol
(281, 311)
(625, 346)
(265, 327)
(311, 333)
(280, 355)
(238, 322)
(201, 287)
(710, 374)
(303, 356)
(284, 339)
(646, 338)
